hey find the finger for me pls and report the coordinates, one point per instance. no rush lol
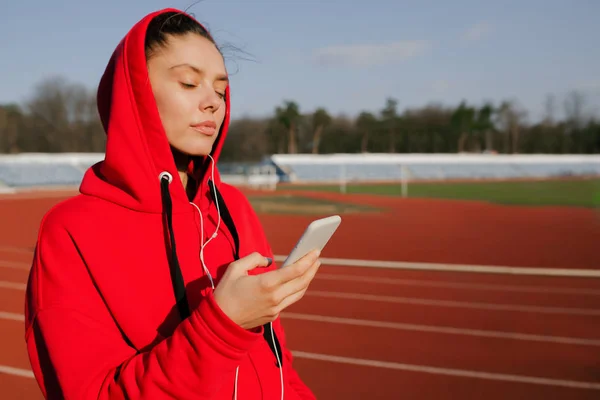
(296, 285)
(251, 261)
(280, 276)
(302, 282)
(268, 264)
(291, 299)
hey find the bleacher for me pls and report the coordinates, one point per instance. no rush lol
(36, 174)
(36, 170)
(28, 170)
(67, 169)
(415, 167)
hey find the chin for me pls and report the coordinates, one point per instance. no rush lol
(195, 147)
(198, 150)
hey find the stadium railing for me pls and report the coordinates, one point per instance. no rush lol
(37, 170)
(65, 170)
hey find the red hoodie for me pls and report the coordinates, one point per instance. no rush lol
(101, 315)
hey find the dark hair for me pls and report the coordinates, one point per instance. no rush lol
(173, 24)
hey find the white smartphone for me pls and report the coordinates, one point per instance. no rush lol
(316, 236)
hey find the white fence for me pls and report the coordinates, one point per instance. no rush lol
(67, 169)
(391, 167)
(346, 168)
(29, 170)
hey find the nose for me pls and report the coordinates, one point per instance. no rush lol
(210, 100)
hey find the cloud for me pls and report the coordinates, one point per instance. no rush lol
(477, 32)
(366, 55)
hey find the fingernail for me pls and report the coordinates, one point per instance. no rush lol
(269, 261)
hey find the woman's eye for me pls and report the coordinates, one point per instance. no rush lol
(221, 95)
(187, 85)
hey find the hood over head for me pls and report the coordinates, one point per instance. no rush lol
(137, 149)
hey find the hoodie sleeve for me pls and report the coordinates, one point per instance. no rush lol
(78, 352)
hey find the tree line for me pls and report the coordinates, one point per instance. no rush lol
(61, 116)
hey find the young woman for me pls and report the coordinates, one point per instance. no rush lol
(157, 281)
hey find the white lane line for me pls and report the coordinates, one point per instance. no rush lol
(426, 302)
(455, 304)
(457, 285)
(442, 329)
(380, 364)
(11, 316)
(41, 193)
(411, 327)
(488, 269)
(570, 272)
(13, 249)
(412, 282)
(12, 285)
(5, 369)
(15, 265)
(403, 282)
(448, 371)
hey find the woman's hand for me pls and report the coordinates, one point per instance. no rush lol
(254, 300)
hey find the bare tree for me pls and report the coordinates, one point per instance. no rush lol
(11, 121)
(575, 110)
(550, 110)
(510, 119)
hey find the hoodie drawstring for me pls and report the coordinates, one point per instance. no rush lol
(176, 275)
(268, 333)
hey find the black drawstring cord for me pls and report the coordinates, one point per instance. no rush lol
(228, 220)
(176, 275)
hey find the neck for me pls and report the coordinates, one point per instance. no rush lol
(181, 162)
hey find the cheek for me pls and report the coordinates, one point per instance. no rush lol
(220, 115)
(174, 109)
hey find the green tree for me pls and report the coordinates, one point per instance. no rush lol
(288, 115)
(485, 125)
(365, 123)
(321, 120)
(463, 122)
(389, 117)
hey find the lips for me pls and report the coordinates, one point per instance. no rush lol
(208, 128)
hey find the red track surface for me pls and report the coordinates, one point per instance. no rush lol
(406, 320)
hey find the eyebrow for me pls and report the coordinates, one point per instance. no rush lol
(223, 78)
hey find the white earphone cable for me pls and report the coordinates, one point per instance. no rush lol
(207, 272)
(214, 235)
(278, 359)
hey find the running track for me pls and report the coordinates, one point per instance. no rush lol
(390, 333)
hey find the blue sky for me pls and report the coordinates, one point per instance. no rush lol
(343, 55)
